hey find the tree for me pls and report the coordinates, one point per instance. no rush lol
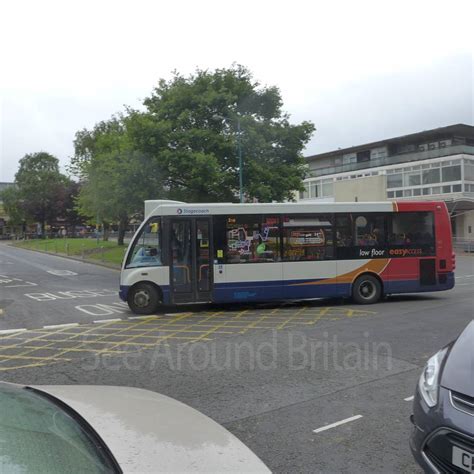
(12, 205)
(39, 185)
(190, 131)
(116, 179)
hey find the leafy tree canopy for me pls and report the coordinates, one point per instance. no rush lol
(116, 178)
(190, 131)
(39, 186)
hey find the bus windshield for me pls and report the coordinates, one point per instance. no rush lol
(146, 249)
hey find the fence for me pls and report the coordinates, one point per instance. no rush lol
(463, 245)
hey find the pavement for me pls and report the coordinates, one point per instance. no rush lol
(320, 386)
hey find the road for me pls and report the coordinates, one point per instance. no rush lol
(310, 387)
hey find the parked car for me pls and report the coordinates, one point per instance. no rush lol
(443, 409)
(58, 429)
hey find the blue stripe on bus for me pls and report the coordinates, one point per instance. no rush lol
(293, 289)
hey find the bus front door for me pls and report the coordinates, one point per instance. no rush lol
(190, 260)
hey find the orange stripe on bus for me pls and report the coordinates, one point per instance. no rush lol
(373, 266)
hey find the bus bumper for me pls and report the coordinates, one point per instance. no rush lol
(123, 292)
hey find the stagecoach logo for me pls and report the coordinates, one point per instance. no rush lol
(180, 211)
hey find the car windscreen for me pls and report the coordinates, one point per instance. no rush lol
(37, 435)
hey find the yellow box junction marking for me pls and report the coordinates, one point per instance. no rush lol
(23, 349)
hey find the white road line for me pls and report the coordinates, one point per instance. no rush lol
(338, 423)
(115, 320)
(463, 284)
(409, 399)
(142, 317)
(11, 331)
(66, 325)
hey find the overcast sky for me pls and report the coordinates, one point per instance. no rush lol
(360, 70)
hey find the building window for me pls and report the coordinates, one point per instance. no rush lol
(451, 173)
(412, 179)
(252, 239)
(431, 176)
(446, 189)
(395, 180)
(436, 190)
(457, 188)
(407, 193)
(328, 189)
(363, 156)
(468, 172)
(398, 194)
(308, 237)
(417, 192)
(315, 190)
(390, 194)
(426, 191)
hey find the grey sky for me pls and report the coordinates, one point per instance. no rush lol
(361, 71)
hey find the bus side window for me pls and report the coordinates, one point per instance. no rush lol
(344, 235)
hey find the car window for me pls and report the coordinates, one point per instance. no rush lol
(38, 436)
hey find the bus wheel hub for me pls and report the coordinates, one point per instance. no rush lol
(142, 299)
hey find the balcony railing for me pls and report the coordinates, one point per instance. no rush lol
(393, 160)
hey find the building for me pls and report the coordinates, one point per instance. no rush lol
(430, 165)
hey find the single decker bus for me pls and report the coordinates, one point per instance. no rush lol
(221, 252)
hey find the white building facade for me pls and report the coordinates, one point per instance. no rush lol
(435, 165)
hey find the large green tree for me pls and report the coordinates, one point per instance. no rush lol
(115, 177)
(39, 185)
(190, 129)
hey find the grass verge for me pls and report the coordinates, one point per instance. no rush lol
(89, 249)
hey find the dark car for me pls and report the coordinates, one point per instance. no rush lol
(443, 409)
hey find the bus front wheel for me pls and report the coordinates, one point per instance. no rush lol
(366, 290)
(143, 298)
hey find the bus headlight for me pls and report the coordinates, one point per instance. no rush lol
(429, 379)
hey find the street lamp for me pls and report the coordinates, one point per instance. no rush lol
(239, 154)
(239, 148)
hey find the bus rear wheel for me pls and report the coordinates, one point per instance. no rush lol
(366, 290)
(143, 298)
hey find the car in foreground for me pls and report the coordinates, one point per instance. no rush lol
(103, 429)
(443, 409)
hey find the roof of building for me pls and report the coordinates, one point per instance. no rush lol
(440, 133)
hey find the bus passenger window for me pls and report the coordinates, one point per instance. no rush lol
(146, 250)
(252, 239)
(413, 229)
(308, 237)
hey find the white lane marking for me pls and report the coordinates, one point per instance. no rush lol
(463, 284)
(11, 331)
(409, 399)
(338, 423)
(62, 272)
(17, 282)
(114, 320)
(142, 317)
(66, 325)
(464, 276)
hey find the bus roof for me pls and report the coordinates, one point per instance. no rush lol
(173, 208)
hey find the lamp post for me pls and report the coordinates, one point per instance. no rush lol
(241, 176)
